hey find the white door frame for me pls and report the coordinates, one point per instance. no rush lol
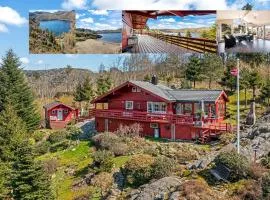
(60, 115)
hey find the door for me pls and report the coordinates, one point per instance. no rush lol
(156, 132)
(60, 115)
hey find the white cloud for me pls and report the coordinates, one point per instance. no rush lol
(79, 15)
(24, 60)
(161, 4)
(87, 20)
(3, 28)
(74, 4)
(39, 62)
(11, 16)
(99, 12)
(170, 20)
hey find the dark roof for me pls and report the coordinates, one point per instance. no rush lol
(180, 94)
(54, 104)
(196, 95)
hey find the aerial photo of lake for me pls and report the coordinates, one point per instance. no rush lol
(111, 37)
(58, 27)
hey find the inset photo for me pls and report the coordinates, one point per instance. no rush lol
(169, 31)
(98, 31)
(243, 31)
(51, 32)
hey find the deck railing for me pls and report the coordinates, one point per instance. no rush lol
(200, 45)
(144, 116)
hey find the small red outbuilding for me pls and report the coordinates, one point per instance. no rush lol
(58, 115)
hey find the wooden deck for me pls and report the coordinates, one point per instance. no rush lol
(149, 44)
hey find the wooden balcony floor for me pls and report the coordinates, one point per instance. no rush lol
(148, 44)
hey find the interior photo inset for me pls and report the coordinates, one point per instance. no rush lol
(169, 31)
(51, 31)
(98, 31)
(243, 31)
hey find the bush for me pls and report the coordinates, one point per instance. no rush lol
(237, 163)
(133, 130)
(138, 169)
(227, 138)
(50, 166)
(57, 136)
(104, 181)
(60, 146)
(266, 185)
(249, 190)
(102, 160)
(73, 132)
(42, 148)
(163, 167)
(265, 161)
(119, 149)
(38, 135)
(105, 140)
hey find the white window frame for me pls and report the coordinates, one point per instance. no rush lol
(134, 89)
(156, 107)
(53, 112)
(127, 103)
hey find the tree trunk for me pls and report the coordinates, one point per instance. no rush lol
(210, 83)
(254, 92)
(251, 117)
(194, 84)
(245, 98)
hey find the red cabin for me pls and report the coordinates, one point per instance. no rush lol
(162, 111)
(58, 115)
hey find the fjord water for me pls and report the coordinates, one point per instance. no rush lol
(111, 37)
(56, 26)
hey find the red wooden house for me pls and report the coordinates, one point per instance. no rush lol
(162, 111)
(58, 115)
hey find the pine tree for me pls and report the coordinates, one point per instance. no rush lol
(194, 70)
(4, 178)
(28, 180)
(227, 80)
(188, 34)
(104, 84)
(265, 91)
(14, 90)
(87, 90)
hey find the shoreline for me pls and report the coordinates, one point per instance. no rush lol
(97, 46)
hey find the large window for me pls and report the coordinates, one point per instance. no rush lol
(188, 108)
(156, 107)
(129, 105)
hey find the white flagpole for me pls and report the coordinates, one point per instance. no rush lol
(238, 109)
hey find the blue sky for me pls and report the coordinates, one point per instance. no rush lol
(176, 22)
(14, 24)
(99, 19)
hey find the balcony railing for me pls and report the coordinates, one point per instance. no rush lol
(144, 116)
(200, 45)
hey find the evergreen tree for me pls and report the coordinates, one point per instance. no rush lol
(4, 178)
(79, 94)
(194, 70)
(254, 81)
(212, 68)
(265, 91)
(104, 84)
(227, 80)
(247, 7)
(88, 92)
(188, 34)
(15, 91)
(28, 180)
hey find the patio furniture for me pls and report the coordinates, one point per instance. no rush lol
(230, 41)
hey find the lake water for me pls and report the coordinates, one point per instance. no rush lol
(56, 26)
(111, 37)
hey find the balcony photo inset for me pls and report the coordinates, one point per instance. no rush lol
(169, 31)
(243, 31)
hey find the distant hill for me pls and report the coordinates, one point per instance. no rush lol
(194, 30)
(59, 15)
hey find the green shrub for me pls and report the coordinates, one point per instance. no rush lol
(119, 149)
(73, 132)
(249, 190)
(162, 167)
(42, 148)
(57, 136)
(237, 163)
(133, 130)
(38, 135)
(105, 140)
(227, 138)
(138, 169)
(266, 185)
(50, 165)
(104, 181)
(103, 160)
(60, 146)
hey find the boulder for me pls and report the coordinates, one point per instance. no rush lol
(160, 189)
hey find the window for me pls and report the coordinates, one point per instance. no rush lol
(66, 111)
(188, 108)
(136, 89)
(53, 112)
(156, 107)
(129, 105)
